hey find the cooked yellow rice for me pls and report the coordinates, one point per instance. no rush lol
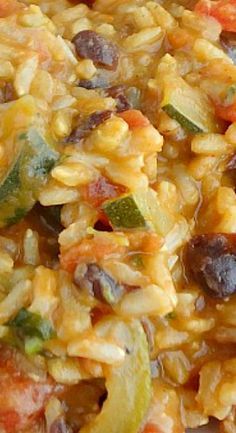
(185, 188)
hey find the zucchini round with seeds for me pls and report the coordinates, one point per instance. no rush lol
(30, 165)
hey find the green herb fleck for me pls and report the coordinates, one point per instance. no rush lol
(32, 325)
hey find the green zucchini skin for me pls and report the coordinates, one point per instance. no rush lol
(28, 172)
(188, 105)
(124, 212)
(183, 121)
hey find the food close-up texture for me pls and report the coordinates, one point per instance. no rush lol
(117, 216)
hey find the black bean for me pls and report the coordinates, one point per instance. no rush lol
(95, 83)
(211, 260)
(118, 93)
(85, 126)
(87, 2)
(49, 216)
(7, 93)
(91, 45)
(228, 42)
(102, 399)
(101, 285)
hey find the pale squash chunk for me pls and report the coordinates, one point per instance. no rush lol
(188, 105)
(128, 385)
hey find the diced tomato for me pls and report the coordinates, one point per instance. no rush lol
(134, 118)
(21, 398)
(203, 7)
(226, 112)
(88, 250)
(223, 11)
(97, 192)
(8, 7)
(151, 428)
(9, 419)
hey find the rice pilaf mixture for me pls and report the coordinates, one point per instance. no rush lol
(117, 216)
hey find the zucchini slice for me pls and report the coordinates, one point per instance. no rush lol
(188, 105)
(128, 386)
(32, 160)
(141, 209)
(125, 212)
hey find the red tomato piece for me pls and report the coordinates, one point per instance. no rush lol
(151, 428)
(88, 250)
(8, 7)
(21, 398)
(134, 118)
(203, 7)
(223, 11)
(227, 113)
(101, 190)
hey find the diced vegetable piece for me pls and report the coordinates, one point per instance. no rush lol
(32, 161)
(32, 325)
(223, 11)
(128, 386)
(140, 209)
(151, 428)
(134, 118)
(188, 105)
(227, 113)
(203, 7)
(8, 7)
(22, 399)
(124, 212)
(88, 250)
(33, 345)
(100, 190)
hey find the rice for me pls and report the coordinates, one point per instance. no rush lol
(18, 297)
(117, 216)
(96, 349)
